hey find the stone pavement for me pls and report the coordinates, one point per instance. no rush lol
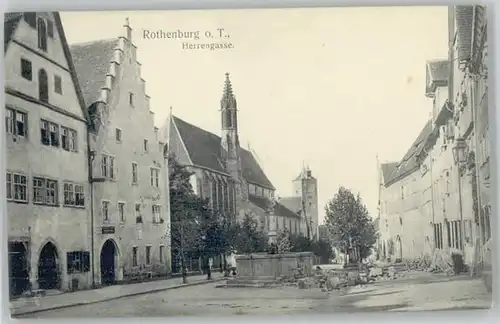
(424, 294)
(23, 306)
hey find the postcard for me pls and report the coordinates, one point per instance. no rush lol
(243, 162)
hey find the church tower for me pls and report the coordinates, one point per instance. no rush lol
(230, 144)
(305, 186)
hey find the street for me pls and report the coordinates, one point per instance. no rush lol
(419, 293)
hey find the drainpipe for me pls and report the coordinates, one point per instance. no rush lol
(432, 195)
(90, 159)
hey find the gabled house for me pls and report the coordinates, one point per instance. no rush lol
(129, 178)
(46, 154)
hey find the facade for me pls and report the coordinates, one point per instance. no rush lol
(129, 179)
(451, 172)
(404, 205)
(305, 202)
(47, 164)
(469, 54)
(225, 173)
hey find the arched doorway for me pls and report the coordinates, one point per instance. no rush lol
(108, 263)
(399, 249)
(18, 268)
(48, 274)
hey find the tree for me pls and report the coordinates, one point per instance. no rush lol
(187, 211)
(320, 248)
(247, 237)
(283, 241)
(351, 228)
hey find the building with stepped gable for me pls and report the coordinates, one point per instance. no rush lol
(129, 178)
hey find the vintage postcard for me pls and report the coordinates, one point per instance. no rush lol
(239, 162)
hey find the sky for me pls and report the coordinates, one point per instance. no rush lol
(332, 88)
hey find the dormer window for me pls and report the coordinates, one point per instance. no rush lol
(42, 34)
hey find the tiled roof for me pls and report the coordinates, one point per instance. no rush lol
(279, 209)
(204, 149)
(292, 203)
(437, 72)
(387, 170)
(463, 20)
(11, 19)
(410, 163)
(92, 62)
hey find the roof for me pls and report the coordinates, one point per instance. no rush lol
(463, 22)
(410, 162)
(387, 170)
(12, 21)
(204, 149)
(292, 203)
(279, 209)
(92, 62)
(437, 72)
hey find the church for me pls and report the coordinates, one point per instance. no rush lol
(227, 174)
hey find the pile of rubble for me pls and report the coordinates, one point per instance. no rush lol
(441, 262)
(328, 280)
(419, 264)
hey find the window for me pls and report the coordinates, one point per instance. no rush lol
(105, 210)
(162, 253)
(57, 84)
(15, 122)
(118, 135)
(138, 216)
(78, 261)
(45, 191)
(17, 187)
(148, 254)
(156, 214)
(42, 35)
(108, 167)
(134, 172)
(145, 145)
(226, 197)
(74, 195)
(50, 133)
(121, 212)
(68, 139)
(30, 18)
(135, 258)
(131, 98)
(155, 177)
(50, 28)
(43, 86)
(26, 69)
(161, 146)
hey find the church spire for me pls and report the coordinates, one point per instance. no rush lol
(228, 106)
(228, 89)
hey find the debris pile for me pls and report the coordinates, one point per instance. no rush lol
(441, 262)
(419, 264)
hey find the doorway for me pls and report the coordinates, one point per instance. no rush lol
(108, 255)
(18, 268)
(48, 274)
(399, 249)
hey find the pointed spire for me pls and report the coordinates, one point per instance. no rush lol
(170, 112)
(228, 89)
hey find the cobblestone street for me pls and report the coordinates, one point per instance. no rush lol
(427, 292)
